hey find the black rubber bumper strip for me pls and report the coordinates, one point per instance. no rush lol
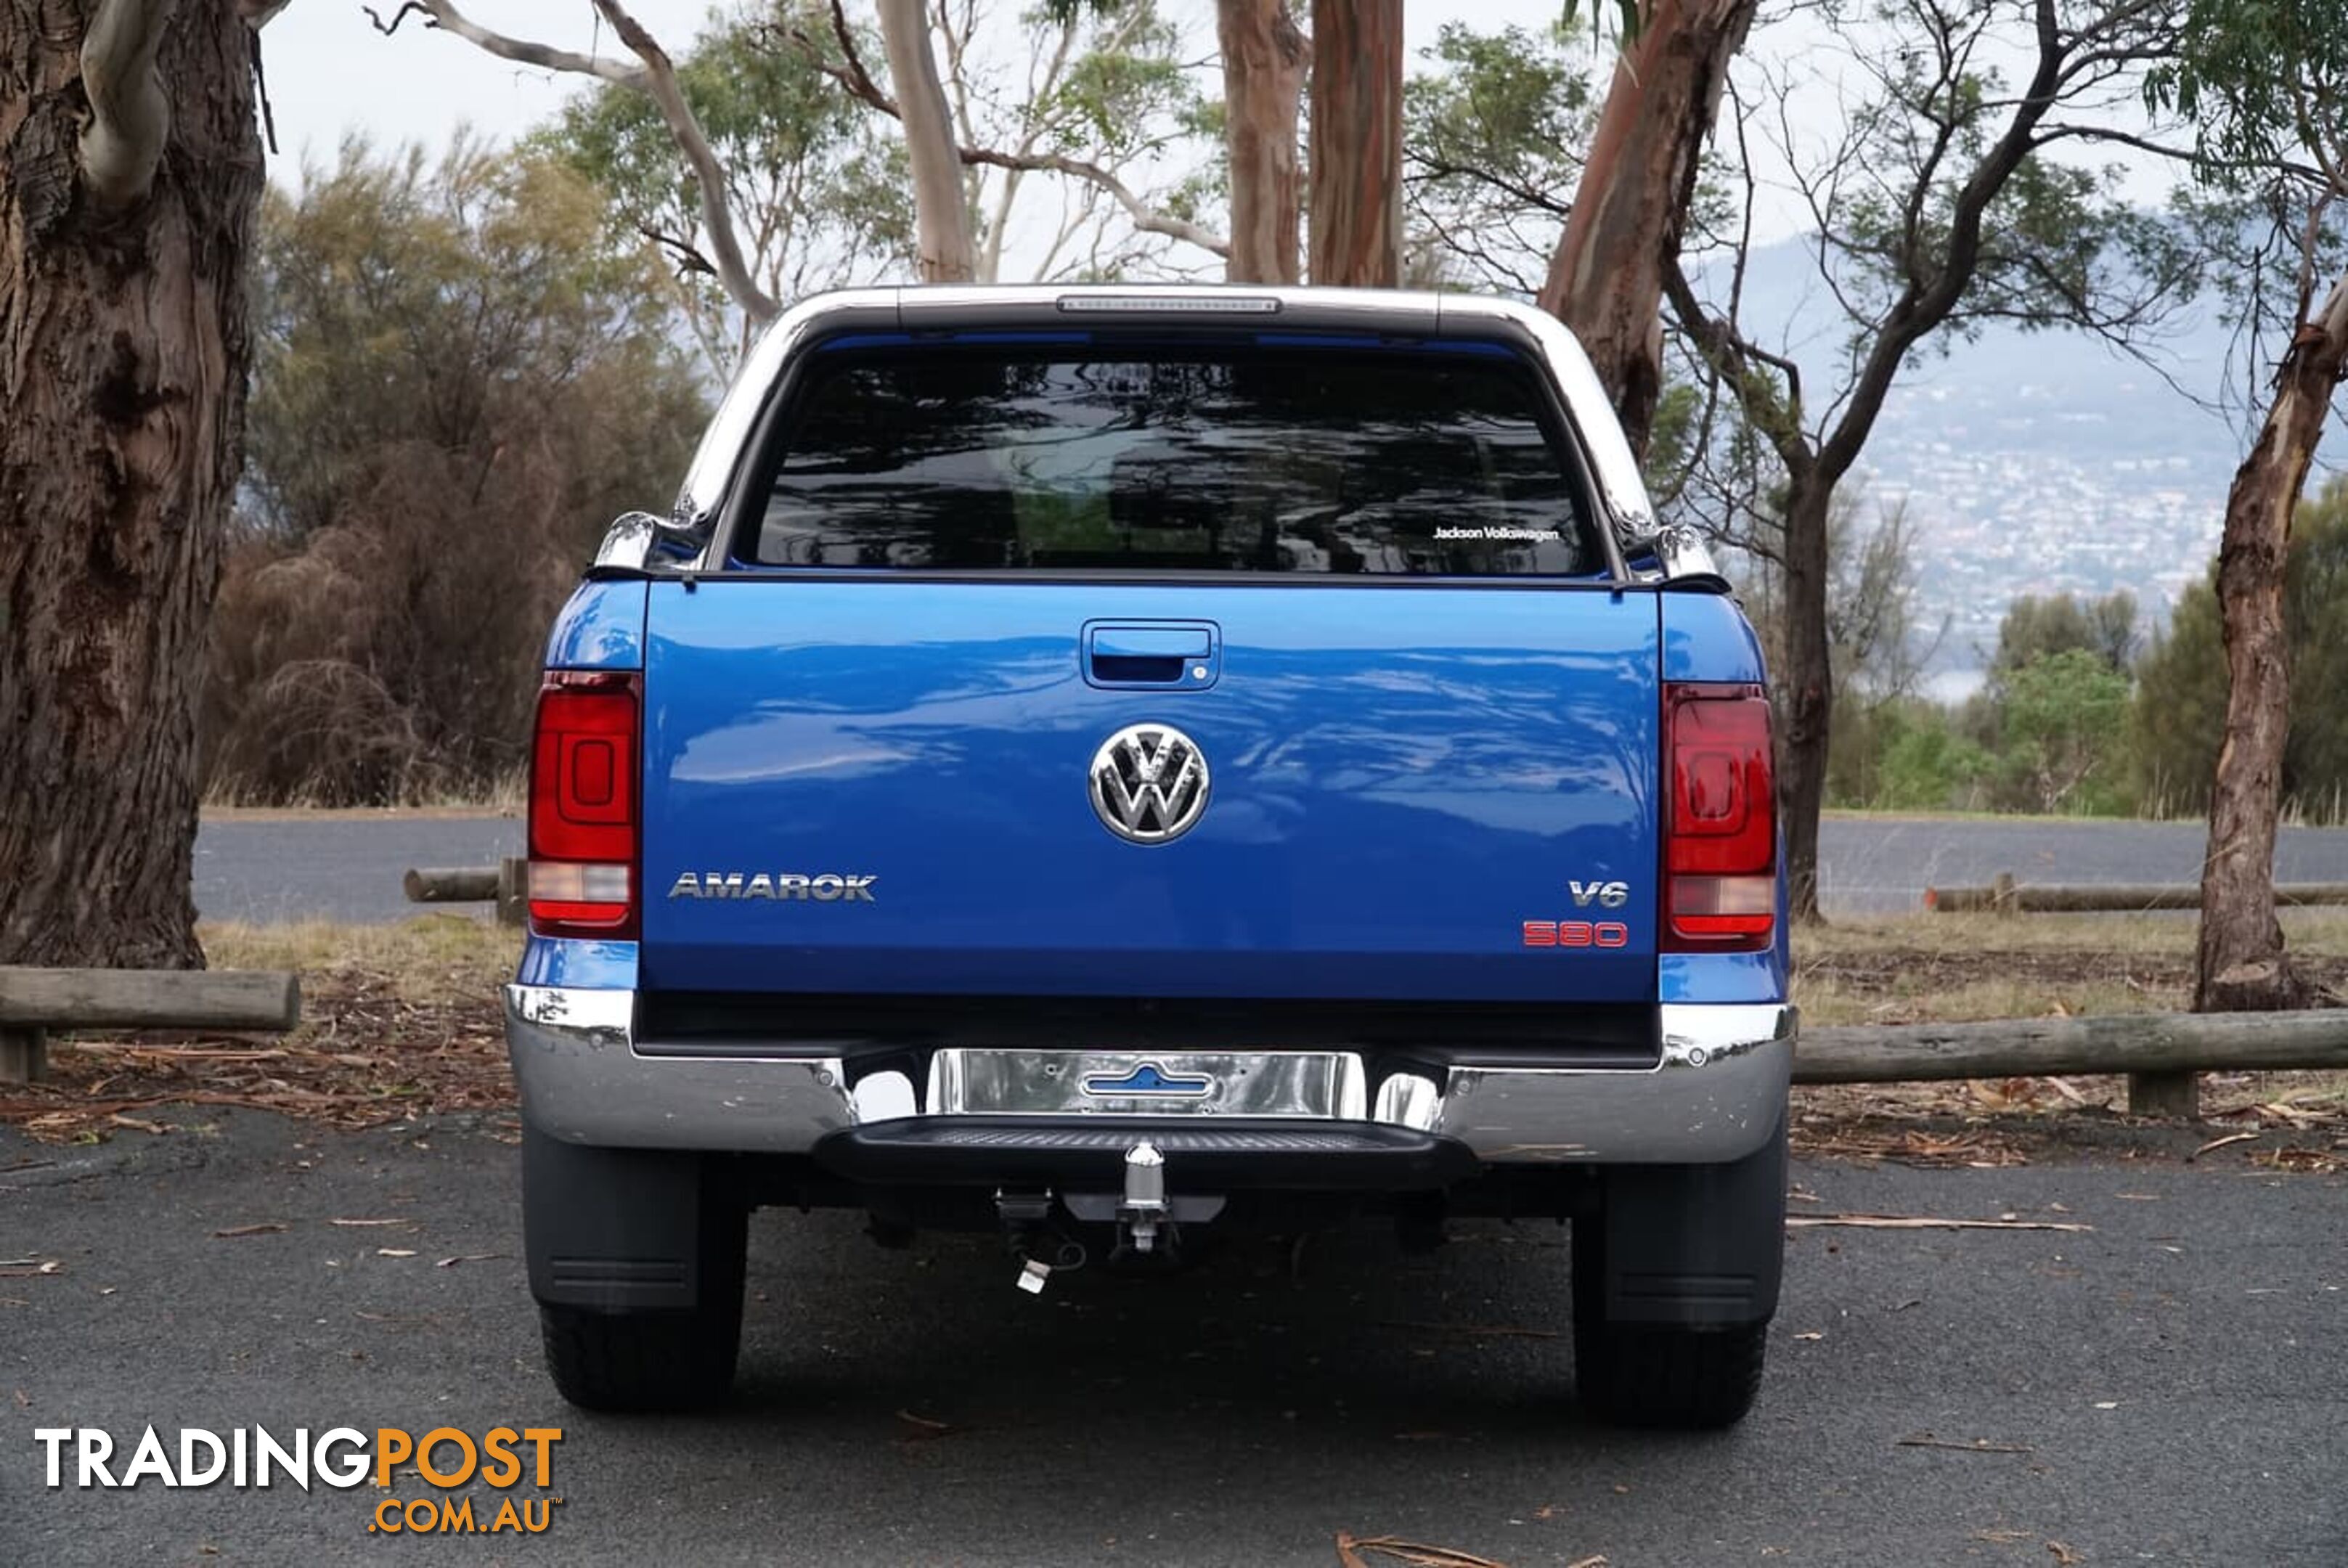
(1202, 1154)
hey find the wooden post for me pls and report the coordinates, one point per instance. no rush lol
(2001, 894)
(24, 1055)
(513, 891)
(2171, 1095)
(450, 885)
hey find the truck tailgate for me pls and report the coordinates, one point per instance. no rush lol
(1423, 790)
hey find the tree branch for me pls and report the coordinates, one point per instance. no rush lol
(1736, 358)
(1924, 304)
(444, 15)
(689, 258)
(128, 116)
(655, 77)
(1145, 216)
(852, 77)
(659, 83)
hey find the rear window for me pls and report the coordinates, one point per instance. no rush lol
(1262, 460)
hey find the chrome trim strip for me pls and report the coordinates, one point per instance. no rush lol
(1315, 1084)
(1717, 1094)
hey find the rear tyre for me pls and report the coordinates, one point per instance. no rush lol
(672, 1359)
(1685, 1379)
(1675, 1278)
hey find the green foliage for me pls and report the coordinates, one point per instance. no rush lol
(1125, 84)
(1671, 435)
(1928, 766)
(401, 305)
(2035, 628)
(2065, 724)
(1492, 140)
(1625, 14)
(2264, 85)
(2266, 81)
(2179, 712)
(816, 182)
(1907, 754)
(458, 380)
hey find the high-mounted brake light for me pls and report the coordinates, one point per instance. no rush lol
(1187, 303)
(1720, 831)
(584, 815)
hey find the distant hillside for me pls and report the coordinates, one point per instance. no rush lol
(2033, 462)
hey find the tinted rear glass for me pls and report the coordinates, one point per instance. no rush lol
(1253, 460)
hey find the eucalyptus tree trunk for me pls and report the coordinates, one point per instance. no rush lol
(1355, 176)
(941, 205)
(1606, 277)
(1264, 82)
(1804, 678)
(129, 176)
(2242, 965)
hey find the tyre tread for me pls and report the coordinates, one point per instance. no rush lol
(1657, 1375)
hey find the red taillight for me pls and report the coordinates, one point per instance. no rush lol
(582, 805)
(1720, 835)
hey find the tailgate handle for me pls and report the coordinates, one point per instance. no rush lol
(1173, 655)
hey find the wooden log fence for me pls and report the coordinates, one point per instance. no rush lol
(2062, 1047)
(35, 1001)
(506, 884)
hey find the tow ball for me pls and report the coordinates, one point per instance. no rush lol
(1144, 1208)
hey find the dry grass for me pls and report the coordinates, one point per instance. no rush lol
(1948, 968)
(433, 960)
(463, 810)
(2314, 932)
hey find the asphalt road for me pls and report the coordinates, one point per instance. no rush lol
(349, 868)
(2173, 1380)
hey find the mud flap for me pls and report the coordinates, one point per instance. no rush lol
(614, 1230)
(1684, 1246)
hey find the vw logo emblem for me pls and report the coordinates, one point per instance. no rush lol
(1150, 784)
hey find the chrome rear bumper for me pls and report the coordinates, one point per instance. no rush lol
(1716, 1096)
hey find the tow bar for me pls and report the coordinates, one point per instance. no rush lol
(1148, 1221)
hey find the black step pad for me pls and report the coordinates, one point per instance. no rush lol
(1229, 1156)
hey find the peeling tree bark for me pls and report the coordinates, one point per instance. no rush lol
(1264, 82)
(123, 348)
(2242, 965)
(1356, 178)
(130, 116)
(1805, 681)
(1629, 212)
(941, 206)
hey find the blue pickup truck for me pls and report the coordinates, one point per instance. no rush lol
(1102, 763)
